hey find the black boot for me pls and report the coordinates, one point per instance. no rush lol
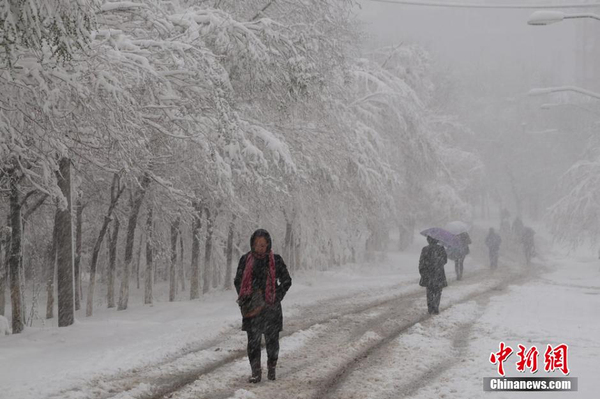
(271, 364)
(256, 373)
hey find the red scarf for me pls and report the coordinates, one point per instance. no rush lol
(247, 278)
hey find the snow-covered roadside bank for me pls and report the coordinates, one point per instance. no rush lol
(47, 359)
(563, 306)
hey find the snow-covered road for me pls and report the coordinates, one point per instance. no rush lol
(362, 332)
(329, 348)
(337, 357)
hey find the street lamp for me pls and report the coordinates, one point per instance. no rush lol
(548, 90)
(550, 17)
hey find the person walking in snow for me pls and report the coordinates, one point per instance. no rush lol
(493, 242)
(433, 277)
(517, 229)
(261, 281)
(461, 254)
(527, 239)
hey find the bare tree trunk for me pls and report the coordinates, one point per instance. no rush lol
(2, 281)
(238, 245)
(26, 212)
(78, 233)
(195, 267)
(115, 193)
(15, 255)
(112, 263)
(135, 210)
(181, 266)
(292, 253)
(137, 263)
(64, 259)
(297, 259)
(31, 209)
(229, 254)
(516, 193)
(90, 297)
(173, 268)
(3, 272)
(207, 253)
(287, 243)
(215, 270)
(149, 255)
(51, 269)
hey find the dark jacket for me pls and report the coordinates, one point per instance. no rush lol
(431, 267)
(271, 318)
(493, 241)
(465, 241)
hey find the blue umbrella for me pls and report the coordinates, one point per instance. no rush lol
(443, 236)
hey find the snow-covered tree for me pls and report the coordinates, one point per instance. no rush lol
(574, 218)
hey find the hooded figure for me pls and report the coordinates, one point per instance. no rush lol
(493, 242)
(433, 277)
(261, 281)
(461, 254)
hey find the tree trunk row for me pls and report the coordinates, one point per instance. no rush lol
(63, 261)
(132, 223)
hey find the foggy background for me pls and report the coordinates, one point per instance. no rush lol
(142, 142)
(489, 59)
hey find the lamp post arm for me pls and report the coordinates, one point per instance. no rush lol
(543, 17)
(585, 15)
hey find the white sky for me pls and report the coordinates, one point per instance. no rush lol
(488, 38)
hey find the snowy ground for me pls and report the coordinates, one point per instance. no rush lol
(360, 332)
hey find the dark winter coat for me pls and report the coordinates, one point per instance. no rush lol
(431, 267)
(493, 241)
(527, 238)
(271, 317)
(465, 241)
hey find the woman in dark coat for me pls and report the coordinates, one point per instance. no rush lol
(433, 277)
(261, 281)
(461, 254)
(493, 241)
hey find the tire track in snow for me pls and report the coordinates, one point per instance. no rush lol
(336, 380)
(302, 373)
(107, 386)
(171, 374)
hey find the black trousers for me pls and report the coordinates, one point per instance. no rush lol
(458, 266)
(433, 299)
(271, 341)
(493, 259)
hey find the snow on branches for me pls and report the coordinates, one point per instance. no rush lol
(573, 219)
(50, 28)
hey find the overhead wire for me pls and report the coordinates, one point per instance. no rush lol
(491, 6)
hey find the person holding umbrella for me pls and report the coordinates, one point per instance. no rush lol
(433, 277)
(463, 251)
(459, 252)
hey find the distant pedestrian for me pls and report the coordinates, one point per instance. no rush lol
(261, 281)
(433, 277)
(517, 229)
(461, 253)
(528, 242)
(493, 241)
(505, 229)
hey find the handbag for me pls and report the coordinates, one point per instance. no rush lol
(251, 305)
